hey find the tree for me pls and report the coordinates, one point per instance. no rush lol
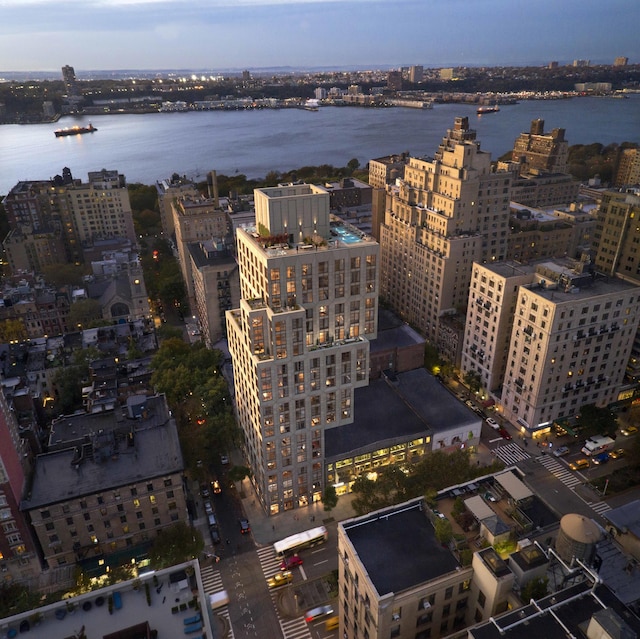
(534, 589)
(329, 498)
(443, 530)
(84, 313)
(473, 380)
(238, 473)
(175, 544)
(60, 275)
(598, 420)
(353, 164)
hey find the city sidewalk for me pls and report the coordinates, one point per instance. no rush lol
(267, 530)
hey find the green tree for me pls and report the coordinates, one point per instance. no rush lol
(329, 498)
(353, 164)
(443, 530)
(67, 381)
(534, 589)
(60, 275)
(175, 544)
(598, 420)
(473, 380)
(84, 313)
(12, 330)
(239, 473)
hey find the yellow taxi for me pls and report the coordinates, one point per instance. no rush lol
(280, 579)
(579, 464)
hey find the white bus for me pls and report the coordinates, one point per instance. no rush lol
(306, 539)
(598, 444)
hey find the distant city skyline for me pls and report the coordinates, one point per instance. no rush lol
(234, 34)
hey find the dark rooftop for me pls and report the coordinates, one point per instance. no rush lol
(573, 607)
(107, 461)
(381, 539)
(416, 404)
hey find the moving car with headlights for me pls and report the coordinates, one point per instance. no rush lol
(579, 464)
(617, 453)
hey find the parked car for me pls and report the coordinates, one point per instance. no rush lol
(493, 423)
(579, 464)
(244, 526)
(204, 491)
(601, 458)
(320, 611)
(208, 508)
(561, 451)
(224, 460)
(282, 578)
(617, 453)
(215, 535)
(504, 433)
(629, 430)
(291, 562)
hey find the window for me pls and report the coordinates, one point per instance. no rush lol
(481, 599)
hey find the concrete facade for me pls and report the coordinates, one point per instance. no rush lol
(300, 339)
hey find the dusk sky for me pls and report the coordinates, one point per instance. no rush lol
(44, 35)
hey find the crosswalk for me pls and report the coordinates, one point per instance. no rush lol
(559, 470)
(291, 628)
(570, 479)
(510, 454)
(212, 583)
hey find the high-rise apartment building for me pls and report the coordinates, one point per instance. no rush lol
(196, 219)
(300, 339)
(628, 167)
(616, 234)
(394, 80)
(448, 212)
(52, 221)
(541, 152)
(416, 73)
(573, 331)
(69, 79)
(492, 298)
(616, 237)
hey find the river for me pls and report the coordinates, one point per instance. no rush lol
(150, 147)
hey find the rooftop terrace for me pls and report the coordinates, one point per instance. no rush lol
(123, 610)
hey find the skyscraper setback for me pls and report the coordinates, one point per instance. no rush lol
(300, 339)
(447, 212)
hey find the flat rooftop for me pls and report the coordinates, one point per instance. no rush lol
(572, 609)
(416, 405)
(62, 475)
(174, 589)
(381, 539)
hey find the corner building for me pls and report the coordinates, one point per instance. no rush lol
(447, 213)
(300, 339)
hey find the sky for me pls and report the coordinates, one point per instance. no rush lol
(45, 35)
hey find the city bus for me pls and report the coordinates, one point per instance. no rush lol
(306, 539)
(598, 444)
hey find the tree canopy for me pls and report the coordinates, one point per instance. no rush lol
(434, 472)
(191, 378)
(176, 544)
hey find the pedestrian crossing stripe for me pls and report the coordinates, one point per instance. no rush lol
(511, 453)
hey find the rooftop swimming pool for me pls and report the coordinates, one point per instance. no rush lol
(345, 234)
